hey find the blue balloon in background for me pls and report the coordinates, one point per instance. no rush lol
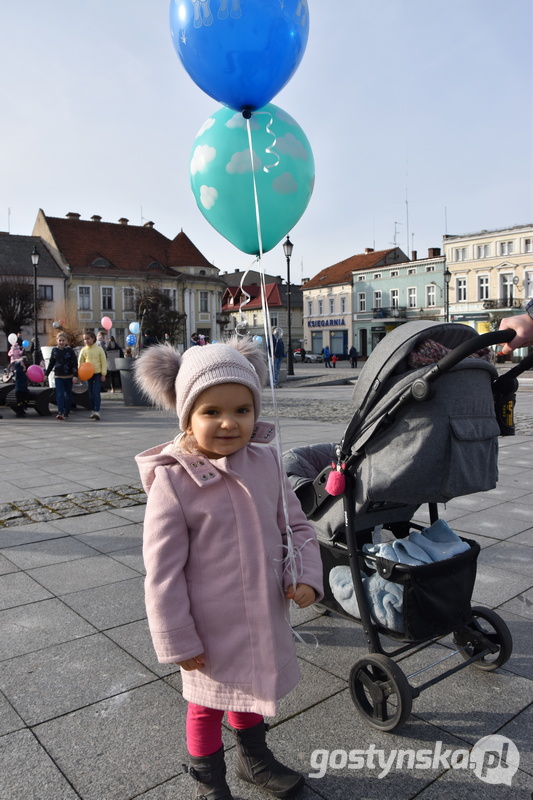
(131, 340)
(25, 344)
(240, 52)
(134, 327)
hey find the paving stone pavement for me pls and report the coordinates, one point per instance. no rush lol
(86, 712)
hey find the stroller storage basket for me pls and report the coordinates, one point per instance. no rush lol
(436, 597)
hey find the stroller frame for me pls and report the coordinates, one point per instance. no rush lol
(380, 690)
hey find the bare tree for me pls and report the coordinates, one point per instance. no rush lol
(154, 310)
(16, 304)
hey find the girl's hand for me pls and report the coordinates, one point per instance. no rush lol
(303, 595)
(76, 380)
(102, 378)
(192, 663)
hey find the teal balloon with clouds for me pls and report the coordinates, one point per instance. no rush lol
(223, 168)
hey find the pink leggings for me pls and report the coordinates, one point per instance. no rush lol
(204, 728)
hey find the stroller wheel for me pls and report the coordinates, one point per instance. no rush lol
(486, 631)
(380, 691)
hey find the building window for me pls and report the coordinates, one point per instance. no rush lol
(430, 268)
(482, 250)
(361, 301)
(411, 297)
(331, 305)
(377, 275)
(46, 292)
(528, 284)
(274, 320)
(309, 308)
(120, 336)
(343, 305)
(460, 254)
(394, 273)
(483, 287)
(361, 277)
(254, 320)
(460, 290)
(506, 248)
(412, 271)
(172, 295)
(506, 282)
(377, 299)
(107, 298)
(395, 298)
(84, 298)
(320, 308)
(128, 299)
(431, 296)
(528, 245)
(204, 302)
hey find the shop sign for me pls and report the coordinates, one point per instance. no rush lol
(327, 323)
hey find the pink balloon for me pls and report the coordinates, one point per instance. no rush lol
(35, 373)
(107, 323)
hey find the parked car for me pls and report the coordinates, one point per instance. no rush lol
(310, 358)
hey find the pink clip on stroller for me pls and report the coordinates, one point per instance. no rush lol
(419, 435)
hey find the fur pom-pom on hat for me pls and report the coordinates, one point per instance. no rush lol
(171, 380)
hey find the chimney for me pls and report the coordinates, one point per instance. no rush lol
(413, 255)
(72, 215)
(368, 250)
(433, 252)
(149, 224)
(123, 221)
(96, 218)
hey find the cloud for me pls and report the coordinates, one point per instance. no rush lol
(238, 121)
(241, 163)
(206, 126)
(289, 145)
(284, 117)
(208, 196)
(202, 156)
(285, 184)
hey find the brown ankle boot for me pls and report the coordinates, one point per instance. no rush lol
(209, 772)
(257, 764)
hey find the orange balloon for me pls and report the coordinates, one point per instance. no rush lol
(85, 371)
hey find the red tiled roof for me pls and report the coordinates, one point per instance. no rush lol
(342, 272)
(272, 293)
(128, 248)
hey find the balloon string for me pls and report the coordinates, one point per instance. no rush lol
(291, 558)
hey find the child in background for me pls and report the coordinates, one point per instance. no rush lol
(64, 363)
(93, 354)
(215, 537)
(22, 394)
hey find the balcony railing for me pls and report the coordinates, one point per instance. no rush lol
(503, 302)
(388, 312)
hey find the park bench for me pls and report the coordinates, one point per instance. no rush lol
(40, 398)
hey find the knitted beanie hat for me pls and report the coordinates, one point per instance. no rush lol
(172, 380)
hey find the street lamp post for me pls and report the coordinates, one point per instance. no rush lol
(35, 262)
(447, 279)
(287, 247)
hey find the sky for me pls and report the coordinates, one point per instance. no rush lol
(418, 112)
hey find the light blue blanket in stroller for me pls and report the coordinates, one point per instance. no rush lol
(384, 597)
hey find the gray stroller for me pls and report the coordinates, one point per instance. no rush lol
(420, 435)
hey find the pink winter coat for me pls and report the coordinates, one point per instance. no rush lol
(213, 535)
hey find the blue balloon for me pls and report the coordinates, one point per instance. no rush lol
(240, 52)
(25, 344)
(131, 340)
(134, 327)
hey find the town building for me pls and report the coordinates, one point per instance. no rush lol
(16, 265)
(491, 275)
(244, 304)
(388, 294)
(107, 263)
(331, 304)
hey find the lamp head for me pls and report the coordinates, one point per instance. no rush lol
(34, 256)
(287, 247)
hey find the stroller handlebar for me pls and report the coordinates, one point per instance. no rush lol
(467, 349)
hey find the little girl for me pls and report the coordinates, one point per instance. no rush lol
(217, 596)
(64, 363)
(95, 355)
